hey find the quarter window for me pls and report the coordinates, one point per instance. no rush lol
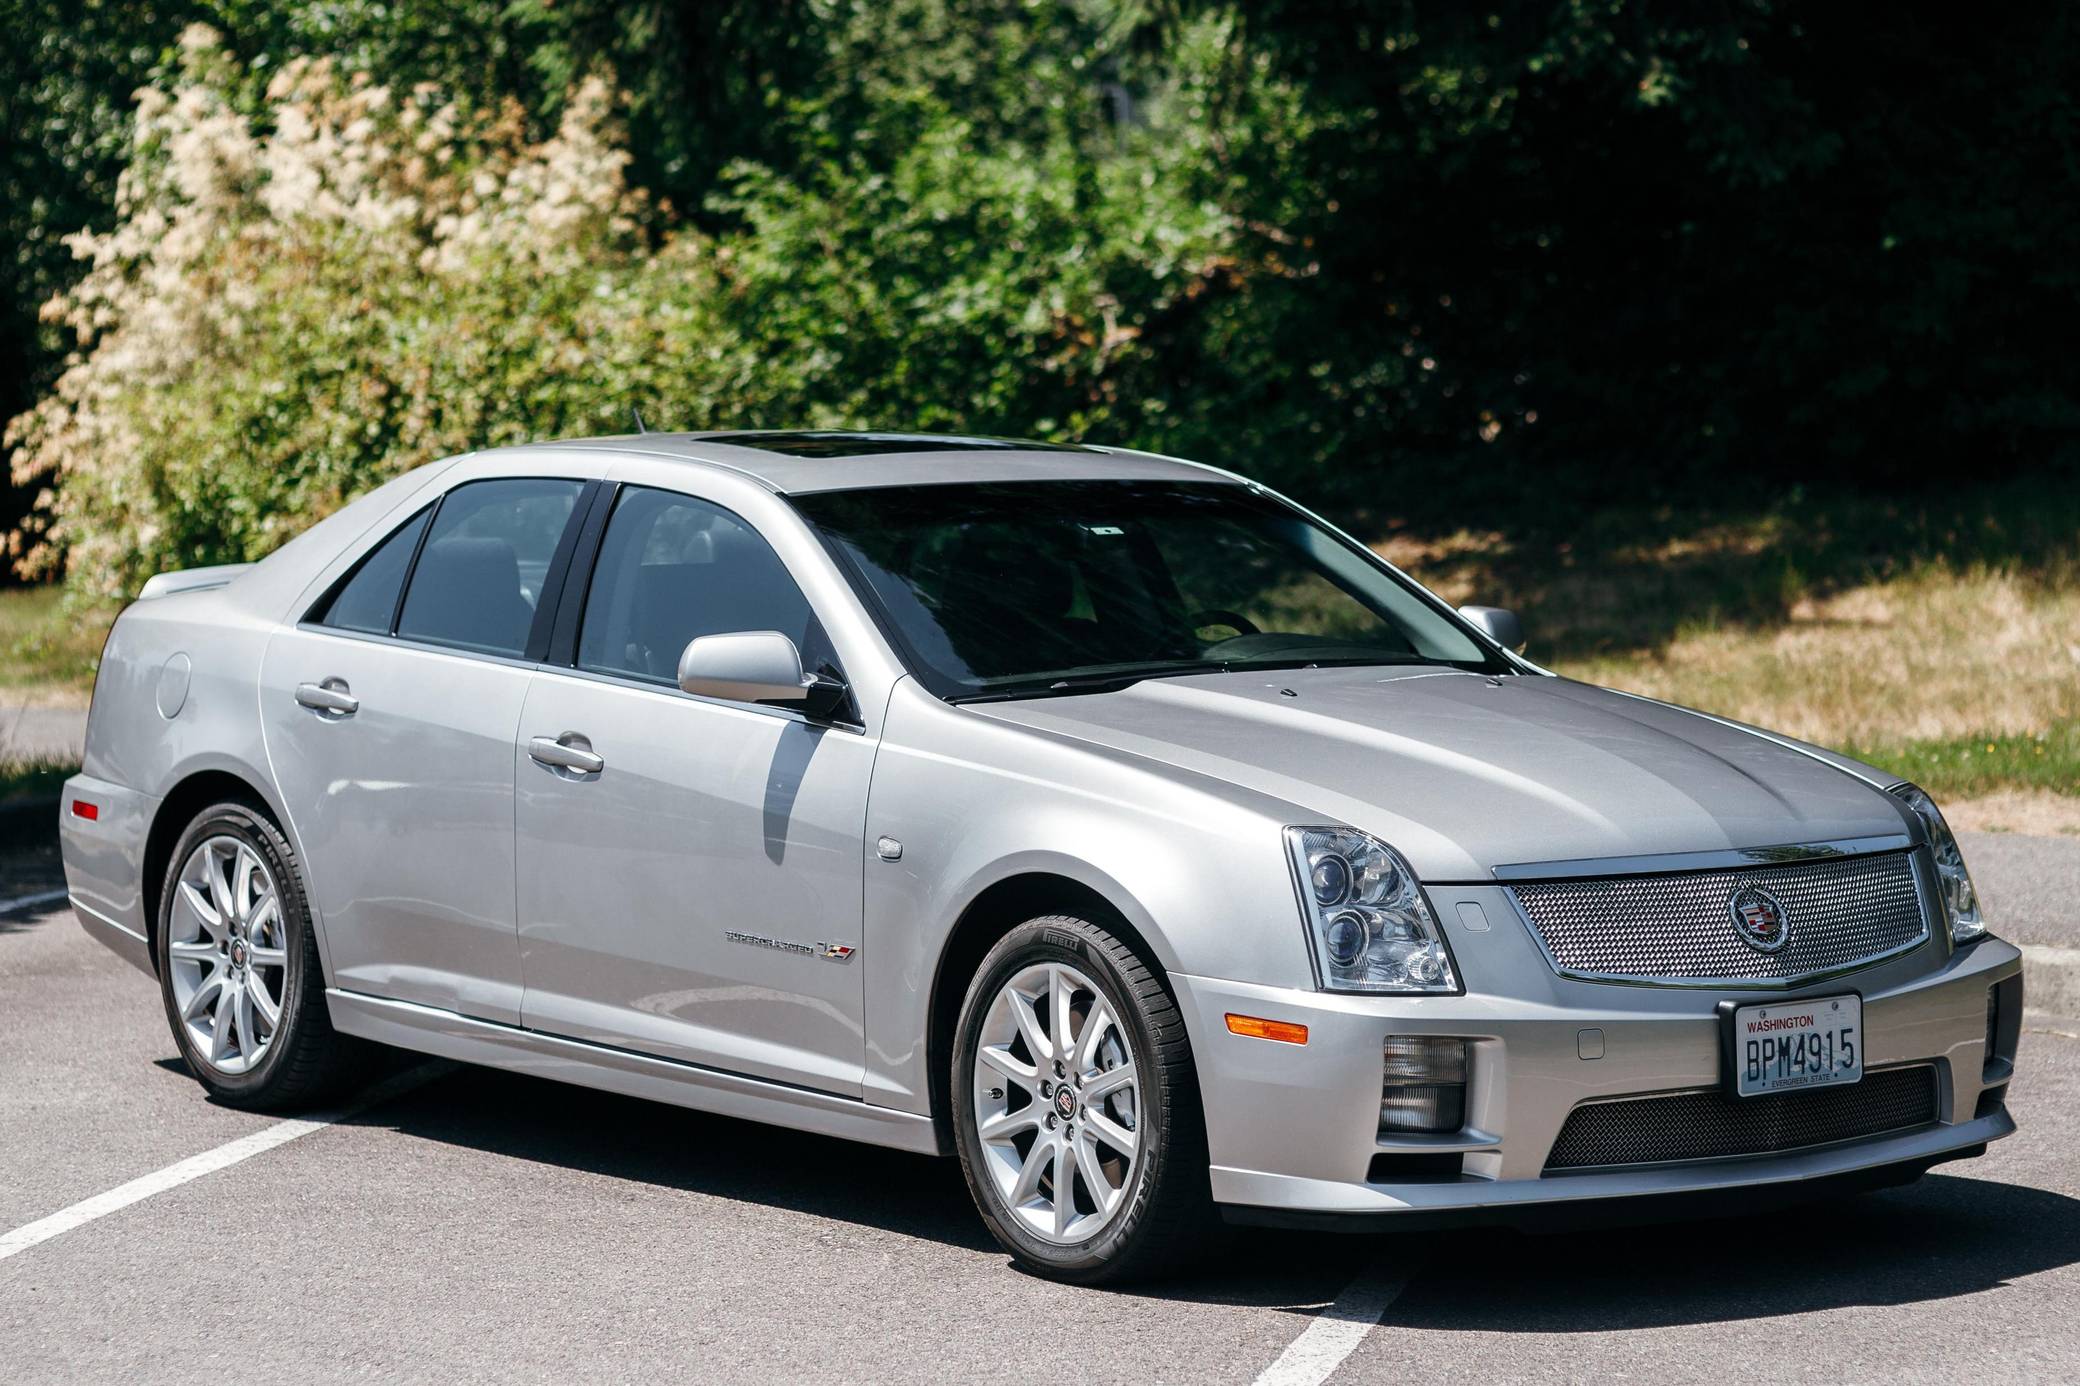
(672, 568)
(479, 578)
(368, 602)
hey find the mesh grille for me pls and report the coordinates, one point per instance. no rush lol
(1678, 926)
(1689, 1126)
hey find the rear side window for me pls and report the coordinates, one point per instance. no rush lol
(479, 578)
(672, 568)
(368, 602)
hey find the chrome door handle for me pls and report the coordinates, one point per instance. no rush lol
(567, 752)
(329, 698)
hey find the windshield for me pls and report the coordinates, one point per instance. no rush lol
(1025, 589)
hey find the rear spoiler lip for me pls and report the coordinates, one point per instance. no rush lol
(190, 580)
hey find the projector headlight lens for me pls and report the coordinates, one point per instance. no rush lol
(1367, 918)
(1331, 879)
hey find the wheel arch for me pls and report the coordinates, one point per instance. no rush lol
(989, 914)
(192, 793)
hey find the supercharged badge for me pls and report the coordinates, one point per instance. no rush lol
(835, 952)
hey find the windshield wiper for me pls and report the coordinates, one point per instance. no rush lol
(1110, 682)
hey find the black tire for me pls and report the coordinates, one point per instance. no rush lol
(306, 1060)
(1169, 1215)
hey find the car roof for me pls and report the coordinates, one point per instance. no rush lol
(804, 461)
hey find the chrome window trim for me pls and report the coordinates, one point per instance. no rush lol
(423, 646)
(537, 667)
(1918, 860)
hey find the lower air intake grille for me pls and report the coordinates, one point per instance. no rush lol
(1690, 1126)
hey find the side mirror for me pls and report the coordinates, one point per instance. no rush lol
(1498, 623)
(757, 666)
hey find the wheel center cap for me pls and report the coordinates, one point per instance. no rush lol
(1065, 1102)
(238, 953)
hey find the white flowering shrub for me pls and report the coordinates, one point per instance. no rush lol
(295, 306)
(300, 299)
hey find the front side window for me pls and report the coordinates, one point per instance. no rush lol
(479, 578)
(1024, 589)
(671, 569)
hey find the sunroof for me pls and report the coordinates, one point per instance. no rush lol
(837, 444)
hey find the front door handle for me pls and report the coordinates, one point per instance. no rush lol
(567, 752)
(329, 699)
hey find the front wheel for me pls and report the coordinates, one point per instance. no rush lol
(1077, 1108)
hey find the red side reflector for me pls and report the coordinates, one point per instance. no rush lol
(82, 809)
(1256, 1027)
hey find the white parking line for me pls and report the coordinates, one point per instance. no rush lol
(208, 1162)
(1336, 1331)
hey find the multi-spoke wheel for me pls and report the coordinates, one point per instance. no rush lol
(1055, 1104)
(229, 953)
(1076, 1105)
(238, 966)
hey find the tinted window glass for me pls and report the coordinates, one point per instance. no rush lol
(480, 575)
(1030, 588)
(369, 600)
(672, 568)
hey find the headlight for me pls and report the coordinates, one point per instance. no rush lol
(1953, 882)
(1370, 925)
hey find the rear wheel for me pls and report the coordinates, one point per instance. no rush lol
(1076, 1106)
(239, 970)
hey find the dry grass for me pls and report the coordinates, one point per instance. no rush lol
(1931, 656)
(2036, 811)
(1939, 638)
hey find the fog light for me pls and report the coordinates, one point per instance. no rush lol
(1423, 1084)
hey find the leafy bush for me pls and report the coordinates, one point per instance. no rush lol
(1519, 261)
(299, 302)
(296, 306)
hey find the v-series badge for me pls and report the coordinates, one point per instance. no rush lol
(836, 952)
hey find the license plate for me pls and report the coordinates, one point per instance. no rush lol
(1788, 1046)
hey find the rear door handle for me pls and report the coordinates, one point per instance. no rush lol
(567, 752)
(329, 698)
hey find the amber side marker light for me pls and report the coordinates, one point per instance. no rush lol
(1256, 1027)
(82, 809)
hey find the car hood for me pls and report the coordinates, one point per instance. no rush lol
(1464, 773)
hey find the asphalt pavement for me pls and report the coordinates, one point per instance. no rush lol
(486, 1226)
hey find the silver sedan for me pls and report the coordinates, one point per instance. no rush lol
(1099, 818)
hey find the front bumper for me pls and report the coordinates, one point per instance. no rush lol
(1294, 1128)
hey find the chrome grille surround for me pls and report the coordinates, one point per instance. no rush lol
(1675, 928)
(1705, 1125)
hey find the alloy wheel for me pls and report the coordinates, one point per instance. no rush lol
(1057, 1102)
(227, 947)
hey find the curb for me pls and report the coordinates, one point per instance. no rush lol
(2050, 980)
(31, 902)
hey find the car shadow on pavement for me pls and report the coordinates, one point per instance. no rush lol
(1934, 1240)
(1942, 1237)
(668, 1147)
